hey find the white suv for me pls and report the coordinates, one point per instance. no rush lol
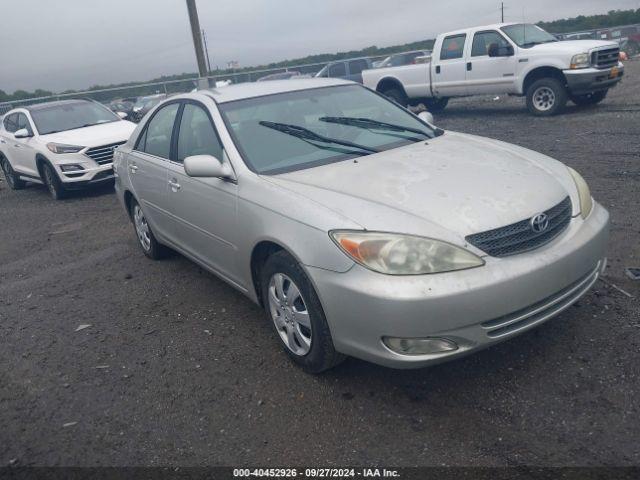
(64, 145)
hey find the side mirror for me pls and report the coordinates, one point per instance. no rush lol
(426, 116)
(497, 51)
(22, 133)
(207, 166)
(122, 115)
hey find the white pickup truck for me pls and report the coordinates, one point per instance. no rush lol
(506, 58)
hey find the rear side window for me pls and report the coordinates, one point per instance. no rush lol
(357, 66)
(483, 40)
(11, 123)
(452, 47)
(156, 139)
(338, 70)
(197, 134)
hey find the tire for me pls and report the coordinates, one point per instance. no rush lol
(397, 96)
(146, 239)
(13, 180)
(546, 97)
(436, 105)
(52, 182)
(294, 310)
(589, 99)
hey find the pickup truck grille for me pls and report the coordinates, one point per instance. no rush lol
(520, 237)
(605, 58)
(103, 154)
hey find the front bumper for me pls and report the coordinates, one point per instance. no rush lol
(589, 80)
(92, 173)
(475, 308)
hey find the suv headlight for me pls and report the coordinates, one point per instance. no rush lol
(584, 194)
(580, 60)
(397, 254)
(61, 148)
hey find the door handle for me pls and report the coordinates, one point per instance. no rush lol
(469, 66)
(133, 168)
(17, 145)
(437, 68)
(175, 186)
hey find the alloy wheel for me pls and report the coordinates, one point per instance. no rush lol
(8, 174)
(289, 314)
(544, 99)
(142, 228)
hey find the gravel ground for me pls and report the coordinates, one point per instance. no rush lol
(178, 368)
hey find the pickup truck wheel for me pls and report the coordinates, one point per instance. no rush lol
(397, 96)
(52, 182)
(546, 97)
(436, 105)
(294, 309)
(12, 178)
(589, 99)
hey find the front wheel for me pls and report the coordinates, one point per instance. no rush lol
(589, 98)
(13, 180)
(294, 309)
(436, 105)
(546, 97)
(52, 182)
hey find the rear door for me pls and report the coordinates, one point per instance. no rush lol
(23, 153)
(147, 166)
(487, 74)
(203, 210)
(449, 68)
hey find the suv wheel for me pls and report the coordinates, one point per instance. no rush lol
(546, 97)
(52, 182)
(146, 239)
(12, 177)
(589, 99)
(294, 309)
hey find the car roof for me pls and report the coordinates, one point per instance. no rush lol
(242, 91)
(493, 26)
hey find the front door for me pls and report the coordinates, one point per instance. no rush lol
(485, 74)
(203, 210)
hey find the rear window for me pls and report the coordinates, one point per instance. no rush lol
(452, 47)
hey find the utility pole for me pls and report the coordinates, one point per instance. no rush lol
(197, 43)
(206, 51)
(502, 10)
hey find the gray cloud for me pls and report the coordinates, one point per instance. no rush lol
(79, 43)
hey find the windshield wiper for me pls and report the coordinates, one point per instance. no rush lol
(371, 124)
(309, 136)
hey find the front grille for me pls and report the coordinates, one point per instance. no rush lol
(605, 58)
(542, 310)
(520, 237)
(103, 154)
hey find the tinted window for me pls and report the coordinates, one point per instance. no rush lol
(338, 70)
(356, 66)
(452, 47)
(23, 122)
(483, 40)
(197, 134)
(11, 123)
(159, 129)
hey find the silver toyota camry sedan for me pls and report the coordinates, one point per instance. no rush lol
(360, 228)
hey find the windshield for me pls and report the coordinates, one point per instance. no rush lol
(527, 35)
(69, 116)
(297, 130)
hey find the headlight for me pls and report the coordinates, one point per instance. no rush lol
(586, 203)
(580, 60)
(396, 254)
(61, 148)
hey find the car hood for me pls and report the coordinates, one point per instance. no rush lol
(94, 135)
(448, 187)
(570, 46)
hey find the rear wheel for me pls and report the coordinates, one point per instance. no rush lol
(13, 180)
(146, 239)
(52, 182)
(296, 314)
(397, 96)
(589, 98)
(546, 97)
(436, 105)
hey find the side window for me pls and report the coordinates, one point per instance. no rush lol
(197, 134)
(338, 70)
(157, 139)
(483, 40)
(23, 122)
(452, 47)
(357, 66)
(11, 123)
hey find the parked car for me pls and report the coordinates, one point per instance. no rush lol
(144, 105)
(516, 59)
(122, 106)
(404, 58)
(347, 69)
(279, 76)
(64, 145)
(359, 227)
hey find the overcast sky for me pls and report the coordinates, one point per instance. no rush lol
(64, 44)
